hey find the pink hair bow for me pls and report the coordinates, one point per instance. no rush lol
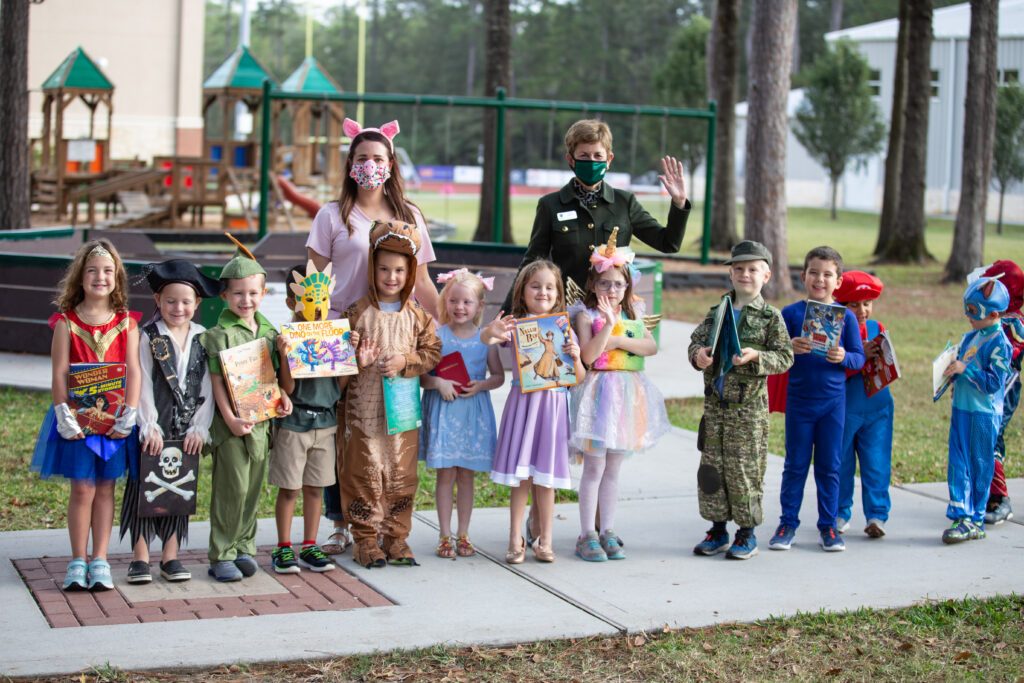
(388, 130)
(443, 278)
(603, 263)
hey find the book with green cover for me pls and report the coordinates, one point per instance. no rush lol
(402, 404)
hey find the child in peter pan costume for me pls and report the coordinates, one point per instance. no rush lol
(239, 447)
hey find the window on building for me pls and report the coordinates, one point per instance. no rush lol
(1007, 76)
(875, 82)
(935, 82)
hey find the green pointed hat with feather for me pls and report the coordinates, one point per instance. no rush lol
(242, 264)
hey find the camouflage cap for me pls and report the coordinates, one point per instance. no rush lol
(242, 264)
(749, 250)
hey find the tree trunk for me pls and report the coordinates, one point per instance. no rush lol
(894, 158)
(767, 125)
(999, 225)
(15, 169)
(907, 242)
(979, 137)
(497, 73)
(835, 191)
(835, 18)
(723, 76)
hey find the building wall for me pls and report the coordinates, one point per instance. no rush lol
(151, 50)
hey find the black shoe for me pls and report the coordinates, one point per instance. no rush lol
(173, 570)
(138, 572)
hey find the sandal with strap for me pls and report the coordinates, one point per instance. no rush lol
(445, 548)
(337, 542)
(464, 546)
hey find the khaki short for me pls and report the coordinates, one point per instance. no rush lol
(303, 458)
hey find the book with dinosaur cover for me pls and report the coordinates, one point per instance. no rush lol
(320, 348)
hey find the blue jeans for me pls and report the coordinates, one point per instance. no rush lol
(812, 427)
(868, 438)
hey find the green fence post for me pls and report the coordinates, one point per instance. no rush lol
(499, 168)
(709, 169)
(265, 159)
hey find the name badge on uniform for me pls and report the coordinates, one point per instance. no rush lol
(566, 215)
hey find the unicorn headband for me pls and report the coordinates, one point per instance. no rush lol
(608, 255)
(388, 130)
(451, 274)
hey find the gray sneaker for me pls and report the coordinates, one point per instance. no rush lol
(225, 570)
(246, 564)
(842, 525)
(875, 528)
(589, 548)
(1002, 512)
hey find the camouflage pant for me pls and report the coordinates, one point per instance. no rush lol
(734, 451)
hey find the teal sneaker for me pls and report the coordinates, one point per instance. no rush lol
(743, 547)
(312, 557)
(283, 560)
(75, 580)
(99, 575)
(589, 548)
(611, 544)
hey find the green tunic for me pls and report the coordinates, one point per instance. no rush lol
(239, 463)
(565, 230)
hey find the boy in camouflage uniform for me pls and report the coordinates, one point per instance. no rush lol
(733, 436)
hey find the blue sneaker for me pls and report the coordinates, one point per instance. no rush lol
(783, 538)
(830, 541)
(960, 531)
(75, 578)
(715, 542)
(612, 545)
(99, 575)
(743, 547)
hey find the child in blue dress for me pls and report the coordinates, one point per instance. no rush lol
(458, 434)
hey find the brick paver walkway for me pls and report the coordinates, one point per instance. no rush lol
(304, 592)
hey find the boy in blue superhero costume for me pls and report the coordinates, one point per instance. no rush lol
(816, 406)
(867, 433)
(981, 371)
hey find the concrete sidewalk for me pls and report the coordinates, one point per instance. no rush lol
(482, 600)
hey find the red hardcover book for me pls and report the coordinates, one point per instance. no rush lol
(96, 394)
(453, 368)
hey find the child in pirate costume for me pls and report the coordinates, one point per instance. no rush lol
(176, 404)
(239, 447)
(378, 476)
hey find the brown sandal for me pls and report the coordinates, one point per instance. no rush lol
(516, 556)
(445, 548)
(464, 546)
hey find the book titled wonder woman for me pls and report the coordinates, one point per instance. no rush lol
(96, 394)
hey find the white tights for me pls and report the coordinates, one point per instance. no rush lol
(599, 484)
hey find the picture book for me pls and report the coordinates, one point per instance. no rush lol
(620, 359)
(168, 481)
(540, 362)
(724, 340)
(402, 404)
(883, 370)
(453, 368)
(251, 380)
(823, 325)
(940, 382)
(96, 394)
(319, 349)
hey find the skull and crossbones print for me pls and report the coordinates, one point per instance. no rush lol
(170, 466)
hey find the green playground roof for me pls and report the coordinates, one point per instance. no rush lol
(310, 78)
(240, 70)
(78, 71)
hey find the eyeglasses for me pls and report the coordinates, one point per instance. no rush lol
(605, 285)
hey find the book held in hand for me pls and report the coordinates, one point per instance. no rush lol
(540, 362)
(96, 394)
(453, 368)
(883, 370)
(941, 382)
(320, 348)
(167, 481)
(724, 340)
(402, 404)
(823, 325)
(252, 383)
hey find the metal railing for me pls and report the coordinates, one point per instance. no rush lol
(501, 103)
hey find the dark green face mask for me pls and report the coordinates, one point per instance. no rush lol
(589, 172)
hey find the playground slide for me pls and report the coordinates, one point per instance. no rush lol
(292, 194)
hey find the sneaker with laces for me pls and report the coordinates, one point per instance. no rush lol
(174, 570)
(138, 572)
(830, 541)
(589, 548)
(611, 544)
(1000, 513)
(959, 531)
(716, 541)
(842, 524)
(875, 528)
(979, 530)
(99, 575)
(224, 571)
(283, 560)
(313, 558)
(74, 580)
(743, 547)
(783, 538)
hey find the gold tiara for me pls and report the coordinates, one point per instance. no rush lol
(98, 251)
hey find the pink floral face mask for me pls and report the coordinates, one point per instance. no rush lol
(369, 175)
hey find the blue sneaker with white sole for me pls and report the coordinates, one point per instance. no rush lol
(831, 541)
(743, 547)
(783, 538)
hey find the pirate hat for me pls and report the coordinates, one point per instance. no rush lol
(159, 275)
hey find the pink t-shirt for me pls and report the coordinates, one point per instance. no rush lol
(350, 253)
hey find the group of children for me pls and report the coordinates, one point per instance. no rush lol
(830, 418)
